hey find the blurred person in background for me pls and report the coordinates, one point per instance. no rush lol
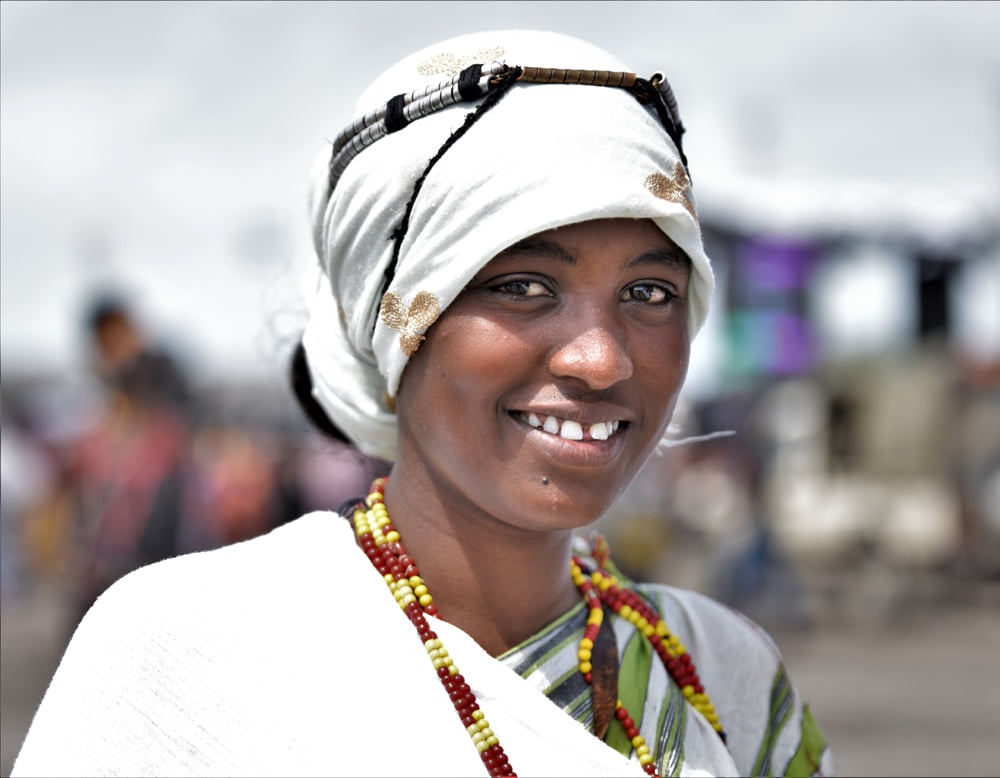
(514, 271)
(129, 468)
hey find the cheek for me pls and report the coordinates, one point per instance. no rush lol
(458, 363)
(476, 353)
(664, 367)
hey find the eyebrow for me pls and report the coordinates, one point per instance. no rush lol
(540, 247)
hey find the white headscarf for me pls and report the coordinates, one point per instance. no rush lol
(547, 155)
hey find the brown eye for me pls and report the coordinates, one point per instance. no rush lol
(652, 294)
(522, 287)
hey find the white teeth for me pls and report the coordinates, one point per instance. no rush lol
(571, 430)
(600, 431)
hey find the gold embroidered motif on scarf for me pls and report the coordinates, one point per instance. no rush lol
(411, 321)
(674, 189)
(448, 64)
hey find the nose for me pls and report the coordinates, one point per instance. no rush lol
(593, 351)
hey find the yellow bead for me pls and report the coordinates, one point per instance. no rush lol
(392, 537)
(625, 612)
(425, 599)
(642, 749)
(687, 691)
(481, 746)
(641, 623)
(415, 580)
(585, 667)
(645, 759)
(477, 715)
(586, 643)
(584, 654)
(491, 741)
(420, 590)
(486, 732)
(648, 630)
(638, 741)
(661, 629)
(472, 729)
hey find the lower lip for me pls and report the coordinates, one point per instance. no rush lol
(591, 454)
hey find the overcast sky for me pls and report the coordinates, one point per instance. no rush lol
(165, 147)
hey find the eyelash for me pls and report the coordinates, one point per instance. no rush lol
(507, 288)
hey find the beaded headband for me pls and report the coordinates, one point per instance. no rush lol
(477, 81)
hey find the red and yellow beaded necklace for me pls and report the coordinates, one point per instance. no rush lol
(382, 545)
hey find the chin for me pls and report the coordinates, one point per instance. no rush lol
(562, 504)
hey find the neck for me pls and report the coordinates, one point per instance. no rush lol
(498, 583)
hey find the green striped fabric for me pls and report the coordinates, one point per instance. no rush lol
(548, 661)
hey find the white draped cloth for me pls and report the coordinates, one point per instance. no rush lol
(547, 155)
(287, 655)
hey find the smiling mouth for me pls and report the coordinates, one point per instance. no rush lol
(572, 430)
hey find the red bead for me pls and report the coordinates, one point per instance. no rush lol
(632, 732)
(587, 677)
(621, 714)
(628, 723)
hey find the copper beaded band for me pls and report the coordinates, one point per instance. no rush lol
(478, 80)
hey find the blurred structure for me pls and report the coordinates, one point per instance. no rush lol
(860, 372)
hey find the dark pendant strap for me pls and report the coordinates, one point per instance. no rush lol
(604, 677)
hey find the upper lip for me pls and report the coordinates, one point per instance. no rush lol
(583, 417)
(582, 414)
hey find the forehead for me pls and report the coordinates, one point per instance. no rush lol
(632, 241)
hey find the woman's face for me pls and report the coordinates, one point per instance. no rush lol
(543, 388)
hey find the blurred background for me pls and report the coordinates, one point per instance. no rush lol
(155, 258)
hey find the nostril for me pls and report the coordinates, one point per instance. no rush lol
(595, 356)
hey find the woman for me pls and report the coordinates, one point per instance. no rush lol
(514, 272)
